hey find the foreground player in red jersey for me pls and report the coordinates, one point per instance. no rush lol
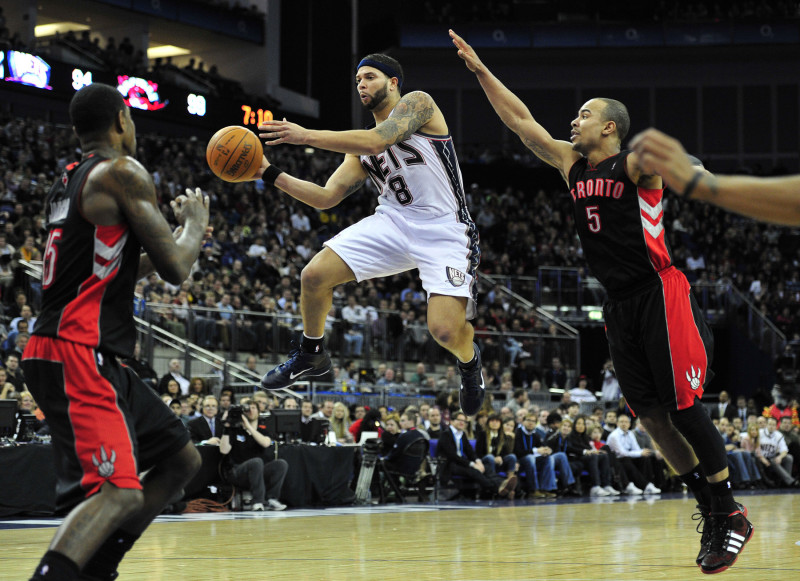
(660, 345)
(107, 425)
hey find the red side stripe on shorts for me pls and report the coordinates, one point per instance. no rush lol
(689, 359)
(102, 441)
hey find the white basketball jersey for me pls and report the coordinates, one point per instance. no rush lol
(420, 177)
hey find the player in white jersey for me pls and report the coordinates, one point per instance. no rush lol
(422, 221)
(773, 453)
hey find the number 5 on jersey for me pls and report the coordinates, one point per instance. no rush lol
(50, 257)
(593, 218)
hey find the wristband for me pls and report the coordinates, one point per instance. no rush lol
(689, 189)
(270, 175)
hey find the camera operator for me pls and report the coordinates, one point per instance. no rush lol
(249, 464)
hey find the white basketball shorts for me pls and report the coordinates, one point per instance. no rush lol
(444, 249)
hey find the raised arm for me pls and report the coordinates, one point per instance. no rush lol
(516, 115)
(413, 112)
(775, 200)
(347, 178)
(123, 190)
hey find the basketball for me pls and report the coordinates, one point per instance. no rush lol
(234, 153)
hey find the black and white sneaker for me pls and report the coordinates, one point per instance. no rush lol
(299, 366)
(729, 535)
(706, 523)
(473, 388)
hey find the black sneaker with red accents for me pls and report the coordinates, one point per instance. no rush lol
(729, 535)
(705, 526)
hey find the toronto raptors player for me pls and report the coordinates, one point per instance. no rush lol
(660, 345)
(422, 221)
(107, 426)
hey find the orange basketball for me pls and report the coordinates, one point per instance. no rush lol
(234, 153)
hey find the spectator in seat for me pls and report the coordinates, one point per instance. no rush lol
(207, 429)
(248, 464)
(7, 390)
(533, 455)
(395, 459)
(14, 373)
(558, 443)
(792, 441)
(355, 317)
(541, 424)
(741, 463)
(636, 463)
(340, 422)
(581, 393)
(520, 400)
(174, 372)
(774, 454)
(724, 409)
(450, 380)
(198, 385)
(391, 432)
(741, 410)
(610, 389)
(496, 450)
(556, 376)
(435, 425)
(20, 342)
(459, 459)
(594, 460)
(325, 411)
(609, 423)
(173, 390)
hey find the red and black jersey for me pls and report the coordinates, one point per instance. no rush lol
(89, 271)
(620, 225)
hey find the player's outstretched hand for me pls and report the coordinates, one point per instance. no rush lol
(257, 176)
(659, 153)
(277, 132)
(466, 52)
(191, 206)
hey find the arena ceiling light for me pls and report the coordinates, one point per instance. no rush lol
(165, 50)
(45, 30)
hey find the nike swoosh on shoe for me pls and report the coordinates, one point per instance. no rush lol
(299, 373)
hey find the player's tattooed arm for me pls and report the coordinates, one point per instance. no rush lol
(543, 153)
(411, 113)
(354, 187)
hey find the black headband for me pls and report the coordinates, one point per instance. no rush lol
(387, 70)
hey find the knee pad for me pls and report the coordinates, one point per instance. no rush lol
(696, 426)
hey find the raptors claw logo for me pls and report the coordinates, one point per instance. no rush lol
(694, 378)
(106, 467)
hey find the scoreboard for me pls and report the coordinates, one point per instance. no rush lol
(25, 71)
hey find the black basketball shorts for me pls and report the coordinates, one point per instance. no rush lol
(106, 424)
(660, 344)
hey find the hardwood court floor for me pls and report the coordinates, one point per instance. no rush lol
(618, 539)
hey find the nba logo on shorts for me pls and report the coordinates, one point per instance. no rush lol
(455, 276)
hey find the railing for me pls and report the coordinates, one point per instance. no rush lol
(561, 339)
(383, 338)
(576, 297)
(723, 300)
(197, 361)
